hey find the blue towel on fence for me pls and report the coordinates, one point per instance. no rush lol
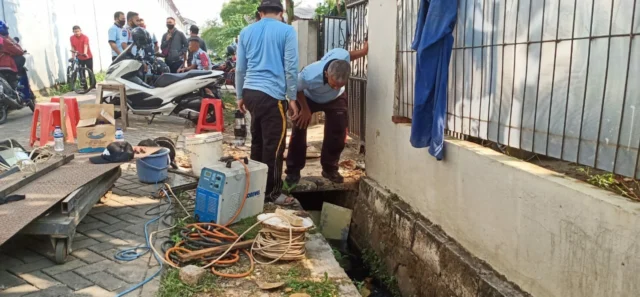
(433, 43)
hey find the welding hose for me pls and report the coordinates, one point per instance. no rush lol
(212, 232)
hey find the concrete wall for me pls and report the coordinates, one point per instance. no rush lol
(307, 41)
(551, 235)
(44, 28)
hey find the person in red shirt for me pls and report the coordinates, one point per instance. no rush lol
(80, 44)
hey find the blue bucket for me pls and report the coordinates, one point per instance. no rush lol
(153, 168)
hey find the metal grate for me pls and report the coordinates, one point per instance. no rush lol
(357, 88)
(332, 33)
(553, 77)
(405, 58)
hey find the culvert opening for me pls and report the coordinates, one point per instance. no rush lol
(363, 267)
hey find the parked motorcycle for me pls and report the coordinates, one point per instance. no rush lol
(170, 94)
(14, 96)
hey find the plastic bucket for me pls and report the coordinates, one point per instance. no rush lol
(154, 168)
(204, 150)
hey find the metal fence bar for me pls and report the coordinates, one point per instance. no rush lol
(626, 85)
(582, 129)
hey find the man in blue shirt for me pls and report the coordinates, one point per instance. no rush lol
(321, 88)
(266, 73)
(117, 35)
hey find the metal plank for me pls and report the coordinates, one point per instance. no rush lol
(47, 191)
(19, 182)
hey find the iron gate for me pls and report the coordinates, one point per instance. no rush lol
(358, 26)
(332, 33)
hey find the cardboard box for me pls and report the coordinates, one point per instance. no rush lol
(96, 128)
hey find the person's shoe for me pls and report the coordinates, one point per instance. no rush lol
(290, 182)
(333, 176)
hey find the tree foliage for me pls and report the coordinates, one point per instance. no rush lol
(332, 8)
(235, 15)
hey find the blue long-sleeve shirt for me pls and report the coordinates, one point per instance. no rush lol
(267, 59)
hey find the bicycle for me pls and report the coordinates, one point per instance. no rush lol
(77, 76)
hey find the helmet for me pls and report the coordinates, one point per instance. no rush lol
(231, 50)
(4, 29)
(140, 37)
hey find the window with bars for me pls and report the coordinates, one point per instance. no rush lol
(552, 77)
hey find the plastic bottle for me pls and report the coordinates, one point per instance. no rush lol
(58, 139)
(119, 135)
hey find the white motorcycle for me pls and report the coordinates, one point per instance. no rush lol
(170, 94)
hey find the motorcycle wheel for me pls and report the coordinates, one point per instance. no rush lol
(4, 112)
(32, 105)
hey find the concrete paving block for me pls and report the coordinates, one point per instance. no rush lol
(100, 208)
(87, 256)
(73, 280)
(131, 218)
(150, 289)
(101, 247)
(115, 227)
(8, 280)
(80, 244)
(107, 218)
(39, 280)
(18, 291)
(106, 281)
(93, 291)
(120, 210)
(131, 272)
(90, 226)
(95, 267)
(40, 264)
(98, 235)
(25, 255)
(7, 262)
(56, 291)
(89, 219)
(123, 181)
(71, 265)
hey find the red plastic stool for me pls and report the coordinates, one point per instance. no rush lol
(48, 114)
(218, 125)
(72, 115)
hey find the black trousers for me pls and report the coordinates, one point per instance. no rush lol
(335, 131)
(88, 63)
(174, 66)
(268, 136)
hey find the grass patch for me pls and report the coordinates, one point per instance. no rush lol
(378, 270)
(324, 288)
(171, 285)
(229, 101)
(100, 76)
(59, 90)
(244, 224)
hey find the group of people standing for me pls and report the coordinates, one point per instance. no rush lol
(174, 46)
(267, 75)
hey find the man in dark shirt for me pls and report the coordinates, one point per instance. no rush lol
(194, 30)
(174, 46)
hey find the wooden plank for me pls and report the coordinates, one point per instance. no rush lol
(11, 187)
(214, 250)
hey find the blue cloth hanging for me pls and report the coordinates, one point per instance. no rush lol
(433, 43)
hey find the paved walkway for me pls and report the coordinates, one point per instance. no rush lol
(26, 266)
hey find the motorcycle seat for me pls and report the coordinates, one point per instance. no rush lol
(167, 79)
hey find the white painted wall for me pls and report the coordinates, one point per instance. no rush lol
(44, 28)
(551, 235)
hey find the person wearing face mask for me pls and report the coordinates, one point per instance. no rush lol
(116, 37)
(321, 88)
(132, 23)
(174, 46)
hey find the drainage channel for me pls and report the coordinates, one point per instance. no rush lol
(350, 258)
